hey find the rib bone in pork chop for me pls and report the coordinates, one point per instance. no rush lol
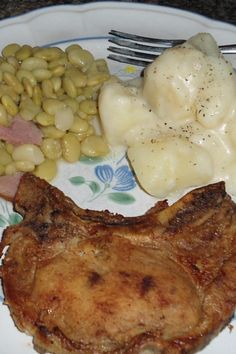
(91, 282)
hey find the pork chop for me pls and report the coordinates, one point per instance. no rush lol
(89, 282)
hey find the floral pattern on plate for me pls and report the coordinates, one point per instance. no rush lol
(7, 217)
(109, 181)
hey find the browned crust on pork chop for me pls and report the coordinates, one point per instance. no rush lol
(88, 282)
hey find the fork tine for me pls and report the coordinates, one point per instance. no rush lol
(132, 53)
(228, 48)
(137, 46)
(127, 60)
(139, 50)
(134, 37)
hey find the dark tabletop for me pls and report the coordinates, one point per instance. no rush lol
(223, 10)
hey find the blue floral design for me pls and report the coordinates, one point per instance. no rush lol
(104, 173)
(122, 177)
(116, 182)
(7, 216)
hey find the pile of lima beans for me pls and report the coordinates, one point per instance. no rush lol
(57, 91)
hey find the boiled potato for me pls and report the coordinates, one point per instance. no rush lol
(126, 116)
(178, 123)
(170, 165)
(171, 84)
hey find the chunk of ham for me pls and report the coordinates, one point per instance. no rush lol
(21, 132)
(9, 185)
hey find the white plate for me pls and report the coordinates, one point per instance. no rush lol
(88, 25)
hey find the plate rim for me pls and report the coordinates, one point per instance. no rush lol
(102, 4)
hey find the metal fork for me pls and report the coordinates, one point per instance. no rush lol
(138, 51)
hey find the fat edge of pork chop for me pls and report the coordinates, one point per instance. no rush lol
(82, 281)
